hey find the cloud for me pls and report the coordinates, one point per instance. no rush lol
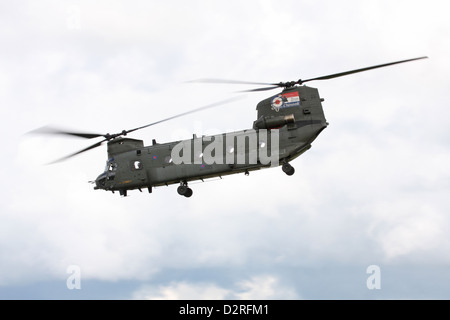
(182, 290)
(261, 287)
(264, 288)
(409, 228)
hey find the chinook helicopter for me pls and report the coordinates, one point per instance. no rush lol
(287, 123)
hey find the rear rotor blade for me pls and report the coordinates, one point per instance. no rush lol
(262, 89)
(341, 74)
(227, 81)
(299, 82)
(209, 106)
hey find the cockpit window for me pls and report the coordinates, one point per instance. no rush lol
(111, 166)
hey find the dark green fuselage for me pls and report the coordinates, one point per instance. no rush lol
(296, 113)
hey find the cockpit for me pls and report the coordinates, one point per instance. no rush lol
(111, 166)
(104, 181)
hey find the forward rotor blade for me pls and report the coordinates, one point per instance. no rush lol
(341, 74)
(209, 106)
(98, 144)
(50, 130)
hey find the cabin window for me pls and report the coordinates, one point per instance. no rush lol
(168, 159)
(137, 165)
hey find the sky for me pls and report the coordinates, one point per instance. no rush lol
(365, 216)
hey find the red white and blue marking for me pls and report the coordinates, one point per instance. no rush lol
(285, 100)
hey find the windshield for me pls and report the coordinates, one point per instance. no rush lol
(110, 165)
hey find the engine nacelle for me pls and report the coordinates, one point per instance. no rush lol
(273, 122)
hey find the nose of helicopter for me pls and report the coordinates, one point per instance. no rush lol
(100, 181)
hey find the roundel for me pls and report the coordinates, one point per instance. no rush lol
(277, 103)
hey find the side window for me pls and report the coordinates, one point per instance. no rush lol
(168, 159)
(137, 165)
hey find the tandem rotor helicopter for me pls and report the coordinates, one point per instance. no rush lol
(286, 125)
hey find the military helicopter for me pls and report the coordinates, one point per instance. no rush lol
(287, 123)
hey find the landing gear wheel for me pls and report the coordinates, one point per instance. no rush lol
(288, 169)
(184, 190)
(188, 193)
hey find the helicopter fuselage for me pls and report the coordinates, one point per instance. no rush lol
(286, 125)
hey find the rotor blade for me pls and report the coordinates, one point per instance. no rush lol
(50, 130)
(98, 144)
(227, 81)
(261, 89)
(341, 74)
(209, 106)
